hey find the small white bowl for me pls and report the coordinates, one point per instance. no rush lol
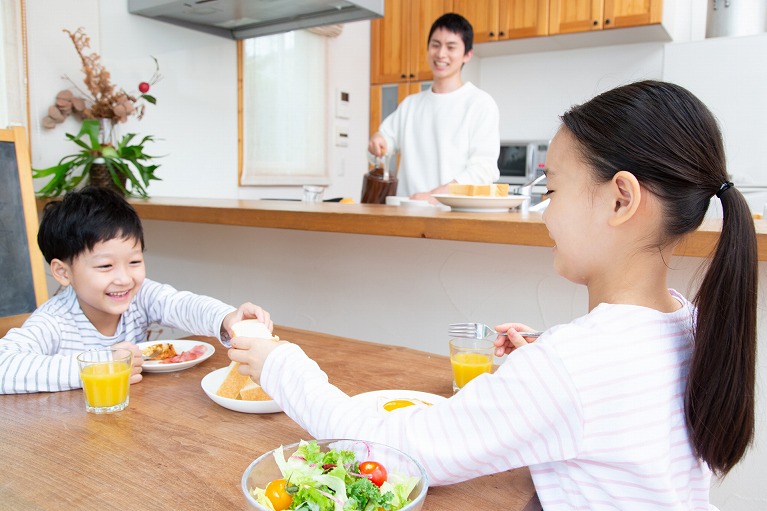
(211, 383)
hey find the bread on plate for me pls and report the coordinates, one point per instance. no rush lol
(239, 386)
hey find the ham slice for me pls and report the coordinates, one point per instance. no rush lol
(186, 356)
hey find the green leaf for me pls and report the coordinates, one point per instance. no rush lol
(149, 99)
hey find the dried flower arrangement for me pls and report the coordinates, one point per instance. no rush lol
(103, 100)
(101, 160)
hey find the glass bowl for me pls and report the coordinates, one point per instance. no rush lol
(264, 469)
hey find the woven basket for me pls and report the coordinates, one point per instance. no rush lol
(100, 177)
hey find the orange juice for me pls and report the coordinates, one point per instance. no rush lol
(467, 366)
(106, 383)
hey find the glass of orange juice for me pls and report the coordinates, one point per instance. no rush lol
(106, 379)
(470, 358)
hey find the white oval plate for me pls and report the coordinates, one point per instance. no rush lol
(480, 204)
(181, 345)
(212, 381)
(377, 398)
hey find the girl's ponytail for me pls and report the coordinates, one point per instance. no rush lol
(719, 400)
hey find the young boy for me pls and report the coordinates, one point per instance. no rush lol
(449, 133)
(94, 242)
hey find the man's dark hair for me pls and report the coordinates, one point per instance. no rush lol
(457, 24)
(83, 218)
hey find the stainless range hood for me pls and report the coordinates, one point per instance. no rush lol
(243, 19)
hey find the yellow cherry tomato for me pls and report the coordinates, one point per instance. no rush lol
(278, 495)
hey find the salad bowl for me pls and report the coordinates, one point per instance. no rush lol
(400, 467)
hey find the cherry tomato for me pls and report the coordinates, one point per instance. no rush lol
(278, 495)
(373, 471)
(143, 87)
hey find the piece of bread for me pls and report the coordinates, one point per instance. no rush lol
(252, 328)
(233, 382)
(252, 391)
(499, 189)
(489, 190)
(458, 189)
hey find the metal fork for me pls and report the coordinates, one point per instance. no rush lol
(479, 331)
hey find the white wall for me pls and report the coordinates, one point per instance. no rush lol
(399, 291)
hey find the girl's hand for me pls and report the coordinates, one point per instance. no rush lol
(251, 353)
(509, 339)
(247, 311)
(137, 362)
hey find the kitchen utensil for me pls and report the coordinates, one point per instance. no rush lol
(380, 182)
(479, 331)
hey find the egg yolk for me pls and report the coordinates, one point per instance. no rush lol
(397, 403)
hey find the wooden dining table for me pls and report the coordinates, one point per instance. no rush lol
(174, 448)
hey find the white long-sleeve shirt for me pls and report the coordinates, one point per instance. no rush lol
(593, 407)
(442, 137)
(41, 356)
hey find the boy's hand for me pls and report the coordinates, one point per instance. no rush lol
(251, 353)
(509, 339)
(247, 311)
(136, 364)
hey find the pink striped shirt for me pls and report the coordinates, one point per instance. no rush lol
(593, 407)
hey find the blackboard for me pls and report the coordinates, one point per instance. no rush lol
(22, 287)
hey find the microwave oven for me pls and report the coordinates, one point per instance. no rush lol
(521, 162)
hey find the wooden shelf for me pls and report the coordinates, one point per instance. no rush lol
(381, 220)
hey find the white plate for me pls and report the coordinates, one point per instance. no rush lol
(377, 398)
(481, 204)
(154, 366)
(213, 381)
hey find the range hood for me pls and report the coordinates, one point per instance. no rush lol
(243, 19)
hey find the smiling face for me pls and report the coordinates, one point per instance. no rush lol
(575, 217)
(447, 55)
(105, 280)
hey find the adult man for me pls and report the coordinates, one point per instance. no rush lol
(449, 133)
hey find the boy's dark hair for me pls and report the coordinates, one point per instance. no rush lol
(457, 24)
(83, 218)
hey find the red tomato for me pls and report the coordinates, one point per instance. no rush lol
(143, 87)
(373, 471)
(278, 495)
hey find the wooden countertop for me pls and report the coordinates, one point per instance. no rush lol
(174, 448)
(381, 220)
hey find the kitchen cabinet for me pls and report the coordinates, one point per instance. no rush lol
(398, 45)
(498, 20)
(568, 16)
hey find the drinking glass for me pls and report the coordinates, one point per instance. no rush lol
(106, 379)
(470, 358)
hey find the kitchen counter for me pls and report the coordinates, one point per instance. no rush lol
(381, 220)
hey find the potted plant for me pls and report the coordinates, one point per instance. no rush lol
(103, 159)
(104, 164)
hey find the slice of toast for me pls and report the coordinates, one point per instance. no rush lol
(252, 391)
(252, 328)
(233, 382)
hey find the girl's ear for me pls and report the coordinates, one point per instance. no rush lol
(60, 271)
(627, 195)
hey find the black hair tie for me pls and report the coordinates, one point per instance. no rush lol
(725, 186)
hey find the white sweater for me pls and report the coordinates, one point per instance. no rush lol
(442, 137)
(594, 408)
(41, 356)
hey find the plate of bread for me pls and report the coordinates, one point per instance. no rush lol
(170, 356)
(235, 391)
(232, 390)
(488, 198)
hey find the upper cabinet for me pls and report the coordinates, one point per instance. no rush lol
(398, 50)
(499, 20)
(399, 45)
(569, 16)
